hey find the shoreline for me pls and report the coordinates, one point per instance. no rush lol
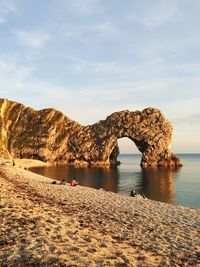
(23, 163)
(79, 226)
(28, 164)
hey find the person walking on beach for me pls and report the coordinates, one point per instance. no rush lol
(143, 195)
(73, 182)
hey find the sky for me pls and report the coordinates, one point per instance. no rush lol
(90, 58)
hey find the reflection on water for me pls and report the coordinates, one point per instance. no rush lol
(106, 178)
(172, 186)
(157, 184)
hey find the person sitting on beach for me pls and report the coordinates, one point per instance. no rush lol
(73, 182)
(133, 193)
(63, 181)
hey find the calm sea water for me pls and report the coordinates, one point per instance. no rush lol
(180, 186)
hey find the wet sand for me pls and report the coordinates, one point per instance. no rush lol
(58, 225)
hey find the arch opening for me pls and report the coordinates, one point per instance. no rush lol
(127, 146)
(123, 146)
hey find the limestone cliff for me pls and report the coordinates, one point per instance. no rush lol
(52, 137)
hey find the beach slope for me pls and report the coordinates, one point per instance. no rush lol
(58, 225)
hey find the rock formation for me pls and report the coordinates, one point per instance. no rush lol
(50, 136)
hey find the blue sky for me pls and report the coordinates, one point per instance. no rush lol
(89, 58)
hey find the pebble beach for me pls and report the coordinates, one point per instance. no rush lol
(45, 224)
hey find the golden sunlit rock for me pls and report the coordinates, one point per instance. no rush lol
(50, 136)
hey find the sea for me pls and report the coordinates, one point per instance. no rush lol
(178, 187)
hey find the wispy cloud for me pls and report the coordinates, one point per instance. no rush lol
(120, 91)
(189, 120)
(89, 33)
(179, 109)
(83, 7)
(90, 104)
(81, 65)
(17, 81)
(111, 67)
(156, 13)
(6, 7)
(13, 75)
(32, 39)
(188, 67)
(106, 28)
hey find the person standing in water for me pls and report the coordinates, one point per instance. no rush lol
(133, 193)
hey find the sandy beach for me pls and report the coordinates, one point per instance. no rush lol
(43, 224)
(23, 163)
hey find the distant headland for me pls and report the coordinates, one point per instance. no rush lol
(50, 136)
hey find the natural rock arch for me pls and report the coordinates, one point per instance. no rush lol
(149, 130)
(50, 136)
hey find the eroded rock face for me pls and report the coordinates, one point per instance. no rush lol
(50, 136)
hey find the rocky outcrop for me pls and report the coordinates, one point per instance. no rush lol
(50, 136)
